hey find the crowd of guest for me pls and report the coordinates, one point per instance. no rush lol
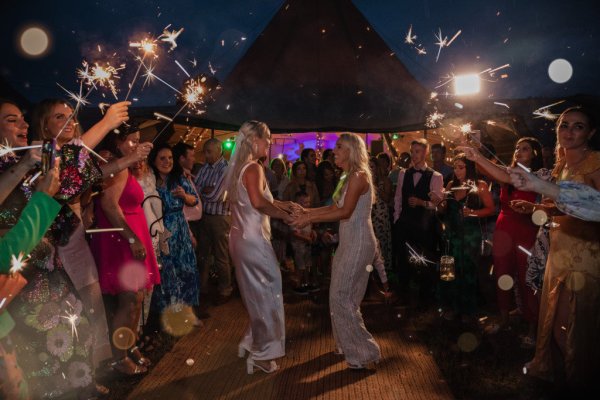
(163, 225)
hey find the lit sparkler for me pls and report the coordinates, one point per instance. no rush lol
(17, 263)
(433, 119)
(148, 46)
(544, 112)
(416, 258)
(93, 152)
(183, 69)
(6, 149)
(421, 51)
(162, 116)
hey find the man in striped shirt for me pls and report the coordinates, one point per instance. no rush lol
(213, 228)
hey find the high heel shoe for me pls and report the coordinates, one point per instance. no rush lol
(250, 364)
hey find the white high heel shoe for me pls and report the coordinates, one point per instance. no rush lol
(250, 364)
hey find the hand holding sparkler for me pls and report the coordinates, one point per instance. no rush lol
(50, 183)
(523, 180)
(116, 115)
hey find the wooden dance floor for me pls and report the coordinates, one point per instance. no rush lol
(310, 369)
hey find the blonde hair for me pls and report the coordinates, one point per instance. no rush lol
(42, 113)
(358, 157)
(242, 153)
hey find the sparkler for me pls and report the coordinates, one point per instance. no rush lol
(524, 250)
(501, 104)
(17, 263)
(93, 152)
(148, 46)
(524, 167)
(432, 119)
(5, 148)
(150, 75)
(162, 116)
(544, 112)
(416, 258)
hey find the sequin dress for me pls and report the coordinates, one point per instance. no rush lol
(349, 278)
(52, 333)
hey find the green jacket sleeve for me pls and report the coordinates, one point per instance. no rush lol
(35, 220)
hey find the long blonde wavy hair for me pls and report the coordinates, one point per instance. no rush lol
(242, 153)
(358, 158)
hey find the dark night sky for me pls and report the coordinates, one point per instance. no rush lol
(526, 34)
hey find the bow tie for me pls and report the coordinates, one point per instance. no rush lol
(417, 171)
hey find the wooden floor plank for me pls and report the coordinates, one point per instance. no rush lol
(310, 369)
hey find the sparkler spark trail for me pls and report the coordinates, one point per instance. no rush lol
(100, 230)
(17, 263)
(416, 258)
(170, 37)
(544, 112)
(440, 43)
(524, 167)
(5, 149)
(169, 123)
(148, 46)
(151, 75)
(409, 38)
(77, 98)
(162, 116)
(453, 37)
(183, 69)
(501, 104)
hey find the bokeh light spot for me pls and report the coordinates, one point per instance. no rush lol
(467, 342)
(560, 70)
(34, 41)
(505, 282)
(123, 338)
(178, 320)
(539, 217)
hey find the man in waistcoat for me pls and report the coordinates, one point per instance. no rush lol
(416, 224)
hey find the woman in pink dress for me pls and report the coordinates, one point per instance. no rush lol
(126, 262)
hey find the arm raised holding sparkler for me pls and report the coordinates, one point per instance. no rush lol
(115, 116)
(495, 171)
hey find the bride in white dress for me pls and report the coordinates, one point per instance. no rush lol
(256, 267)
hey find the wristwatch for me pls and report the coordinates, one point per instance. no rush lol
(131, 240)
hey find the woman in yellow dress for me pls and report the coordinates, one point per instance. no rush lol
(570, 305)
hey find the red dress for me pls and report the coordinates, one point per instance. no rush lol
(118, 271)
(513, 230)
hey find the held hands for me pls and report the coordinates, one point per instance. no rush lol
(299, 221)
(116, 114)
(523, 180)
(50, 183)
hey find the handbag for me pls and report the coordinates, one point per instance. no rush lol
(10, 286)
(193, 213)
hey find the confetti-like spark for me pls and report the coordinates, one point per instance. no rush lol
(501, 104)
(212, 70)
(440, 43)
(544, 112)
(102, 107)
(73, 319)
(162, 116)
(77, 98)
(421, 51)
(453, 37)
(409, 38)
(170, 37)
(17, 263)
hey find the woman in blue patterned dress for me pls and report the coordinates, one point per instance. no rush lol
(180, 280)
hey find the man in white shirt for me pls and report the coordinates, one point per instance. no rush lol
(415, 222)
